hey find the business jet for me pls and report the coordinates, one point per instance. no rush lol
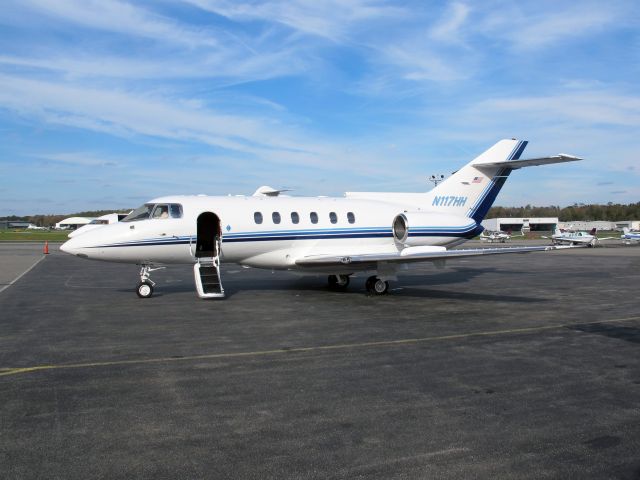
(31, 226)
(375, 232)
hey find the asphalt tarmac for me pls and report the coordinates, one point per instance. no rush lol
(515, 366)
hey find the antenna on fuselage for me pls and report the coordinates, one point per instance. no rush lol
(436, 179)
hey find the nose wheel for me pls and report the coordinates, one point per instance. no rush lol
(145, 287)
(376, 286)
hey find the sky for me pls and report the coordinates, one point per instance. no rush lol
(105, 104)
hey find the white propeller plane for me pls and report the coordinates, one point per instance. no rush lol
(628, 236)
(589, 239)
(497, 236)
(363, 231)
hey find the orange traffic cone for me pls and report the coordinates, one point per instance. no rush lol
(46, 247)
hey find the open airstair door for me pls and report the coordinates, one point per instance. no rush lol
(208, 249)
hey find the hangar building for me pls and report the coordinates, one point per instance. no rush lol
(529, 224)
(73, 223)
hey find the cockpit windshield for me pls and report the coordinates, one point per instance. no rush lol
(153, 210)
(140, 213)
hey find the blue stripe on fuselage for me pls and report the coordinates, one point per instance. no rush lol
(466, 231)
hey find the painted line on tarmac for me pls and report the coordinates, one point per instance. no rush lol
(2, 289)
(322, 348)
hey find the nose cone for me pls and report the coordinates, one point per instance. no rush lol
(84, 229)
(74, 246)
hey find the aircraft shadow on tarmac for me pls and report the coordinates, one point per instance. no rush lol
(628, 334)
(409, 285)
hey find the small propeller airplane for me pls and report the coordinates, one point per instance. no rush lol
(590, 238)
(629, 236)
(497, 236)
(561, 237)
(361, 232)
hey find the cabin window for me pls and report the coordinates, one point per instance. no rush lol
(257, 217)
(333, 218)
(175, 210)
(140, 213)
(351, 218)
(275, 216)
(313, 216)
(295, 218)
(161, 211)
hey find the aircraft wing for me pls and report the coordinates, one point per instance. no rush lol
(412, 254)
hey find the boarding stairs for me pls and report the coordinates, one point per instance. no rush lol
(207, 275)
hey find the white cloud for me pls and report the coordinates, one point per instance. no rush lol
(450, 28)
(132, 115)
(121, 17)
(331, 19)
(229, 66)
(588, 108)
(539, 25)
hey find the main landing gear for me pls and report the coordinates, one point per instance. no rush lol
(376, 286)
(145, 287)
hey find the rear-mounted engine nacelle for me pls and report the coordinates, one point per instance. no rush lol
(411, 228)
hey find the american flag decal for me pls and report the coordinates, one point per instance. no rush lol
(477, 179)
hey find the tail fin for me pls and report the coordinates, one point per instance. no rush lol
(593, 231)
(472, 190)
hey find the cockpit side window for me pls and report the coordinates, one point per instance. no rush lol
(140, 213)
(176, 210)
(161, 211)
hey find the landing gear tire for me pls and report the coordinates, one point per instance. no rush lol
(376, 286)
(144, 289)
(338, 282)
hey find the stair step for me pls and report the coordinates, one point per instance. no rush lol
(210, 279)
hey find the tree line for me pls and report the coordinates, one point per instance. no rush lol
(612, 212)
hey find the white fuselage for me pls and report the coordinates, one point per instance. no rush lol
(574, 238)
(343, 225)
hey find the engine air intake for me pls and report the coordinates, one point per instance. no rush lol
(400, 228)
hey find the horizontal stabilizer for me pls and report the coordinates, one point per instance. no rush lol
(413, 254)
(530, 162)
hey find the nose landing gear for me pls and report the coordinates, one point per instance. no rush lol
(145, 287)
